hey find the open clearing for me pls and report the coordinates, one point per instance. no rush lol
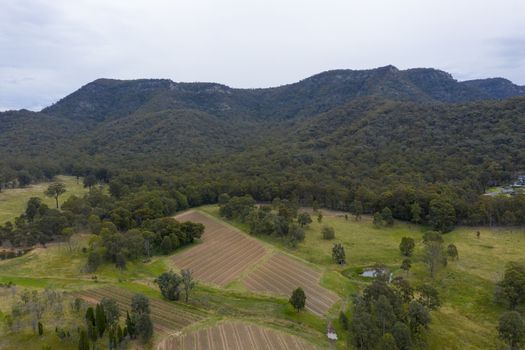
(235, 336)
(222, 256)
(167, 317)
(13, 201)
(282, 274)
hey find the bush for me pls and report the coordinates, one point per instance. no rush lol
(328, 232)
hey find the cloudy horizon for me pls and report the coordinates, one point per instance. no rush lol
(52, 48)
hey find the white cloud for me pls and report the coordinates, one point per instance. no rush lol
(51, 47)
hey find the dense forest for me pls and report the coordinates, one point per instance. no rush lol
(416, 141)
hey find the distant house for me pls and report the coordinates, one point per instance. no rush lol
(520, 182)
(330, 332)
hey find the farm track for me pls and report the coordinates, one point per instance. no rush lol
(235, 336)
(167, 317)
(224, 254)
(281, 275)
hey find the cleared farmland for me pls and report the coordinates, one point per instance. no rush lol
(167, 317)
(224, 254)
(235, 336)
(281, 275)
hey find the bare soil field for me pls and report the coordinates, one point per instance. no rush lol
(222, 256)
(167, 317)
(235, 336)
(282, 274)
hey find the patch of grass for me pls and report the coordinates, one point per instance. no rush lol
(57, 260)
(13, 201)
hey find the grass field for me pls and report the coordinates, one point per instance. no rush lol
(13, 201)
(468, 317)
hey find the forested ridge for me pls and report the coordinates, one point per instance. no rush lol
(341, 139)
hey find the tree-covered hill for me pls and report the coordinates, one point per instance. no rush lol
(336, 137)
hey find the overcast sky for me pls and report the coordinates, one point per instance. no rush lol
(49, 48)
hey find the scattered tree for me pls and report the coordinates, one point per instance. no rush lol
(140, 317)
(434, 257)
(406, 265)
(170, 285)
(328, 232)
(298, 299)
(90, 181)
(429, 296)
(378, 220)
(358, 209)
(83, 342)
(415, 212)
(418, 316)
(55, 190)
(511, 289)
(511, 329)
(111, 311)
(304, 219)
(338, 254)
(386, 216)
(452, 252)
(187, 282)
(407, 246)
(442, 215)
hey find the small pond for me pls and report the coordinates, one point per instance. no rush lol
(372, 273)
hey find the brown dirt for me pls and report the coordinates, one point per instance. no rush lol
(282, 274)
(224, 253)
(235, 336)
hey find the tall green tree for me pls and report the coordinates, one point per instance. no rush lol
(140, 317)
(55, 190)
(442, 215)
(407, 246)
(100, 320)
(386, 216)
(511, 289)
(304, 219)
(415, 213)
(83, 341)
(434, 257)
(358, 209)
(511, 329)
(170, 285)
(298, 299)
(338, 254)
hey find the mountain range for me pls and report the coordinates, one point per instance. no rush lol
(340, 129)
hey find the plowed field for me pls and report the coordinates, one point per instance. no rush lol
(235, 336)
(281, 275)
(222, 256)
(167, 317)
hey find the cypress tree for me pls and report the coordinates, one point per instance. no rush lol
(100, 320)
(90, 316)
(120, 336)
(92, 332)
(83, 342)
(130, 326)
